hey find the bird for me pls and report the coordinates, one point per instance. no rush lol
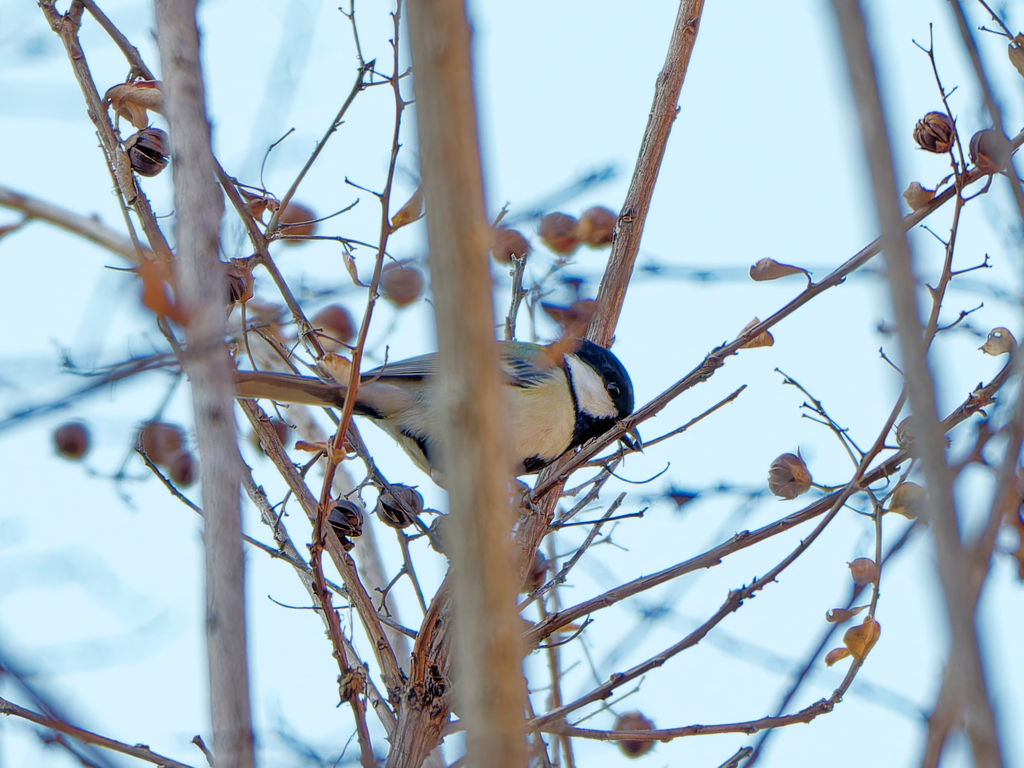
(559, 397)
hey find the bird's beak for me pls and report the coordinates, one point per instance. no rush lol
(632, 440)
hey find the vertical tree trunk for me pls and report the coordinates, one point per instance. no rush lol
(202, 294)
(489, 686)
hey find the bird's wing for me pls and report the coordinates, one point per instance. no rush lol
(288, 388)
(413, 368)
(525, 364)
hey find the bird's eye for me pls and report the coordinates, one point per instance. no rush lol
(613, 389)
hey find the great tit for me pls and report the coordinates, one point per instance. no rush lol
(558, 398)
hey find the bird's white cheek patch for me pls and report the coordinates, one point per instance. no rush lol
(591, 395)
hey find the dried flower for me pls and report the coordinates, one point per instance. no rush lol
(763, 339)
(935, 133)
(788, 476)
(558, 231)
(71, 440)
(399, 506)
(148, 151)
(861, 639)
(240, 280)
(634, 721)
(839, 615)
(990, 151)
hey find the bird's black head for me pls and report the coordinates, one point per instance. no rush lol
(601, 389)
(617, 383)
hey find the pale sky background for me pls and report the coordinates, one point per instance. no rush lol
(101, 584)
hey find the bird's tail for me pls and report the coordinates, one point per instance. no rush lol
(288, 388)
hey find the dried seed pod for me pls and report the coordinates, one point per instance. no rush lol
(999, 342)
(864, 571)
(763, 339)
(935, 133)
(182, 469)
(399, 506)
(346, 518)
(907, 500)
(574, 319)
(769, 269)
(538, 574)
(508, 244)
(596, 226)
(240, 280)
(131, 100)
(71, 440)
(918, 197)
(788, 476)
(161, 441)
(990, 151)
(558, 231)
(437, 534)
(297, 220)
(839, 615)
(861, 639)
(402, 283)
(410, 212)
(148, 151)
(1015, 50)
(634, 721)
(836, 654)
(336, 326)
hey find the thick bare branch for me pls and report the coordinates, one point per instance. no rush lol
(203, 294)
(965, 655)
(492, 691)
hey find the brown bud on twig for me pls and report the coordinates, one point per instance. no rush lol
(990, 151)
(131, 100)
(935, 133)
(300, 222)
(161, 441)
(148, 151)
(788, 476)
(763, 339)
(346, 518)
(864, 571)
(71, 440)
(769, 269)
(861, 639)
(558, 231)
(508, 244)
(999, 342)
(538, 573)
(240, 281)
(907, 500)
(182, 469)
(402, 283)
(410, 212)
(634, 721)
(918, 197)
(596, 226)
(399, 506)
(336, 326)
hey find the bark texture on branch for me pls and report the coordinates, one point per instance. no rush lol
(630, 227)
(491, 691)
(203, 295)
